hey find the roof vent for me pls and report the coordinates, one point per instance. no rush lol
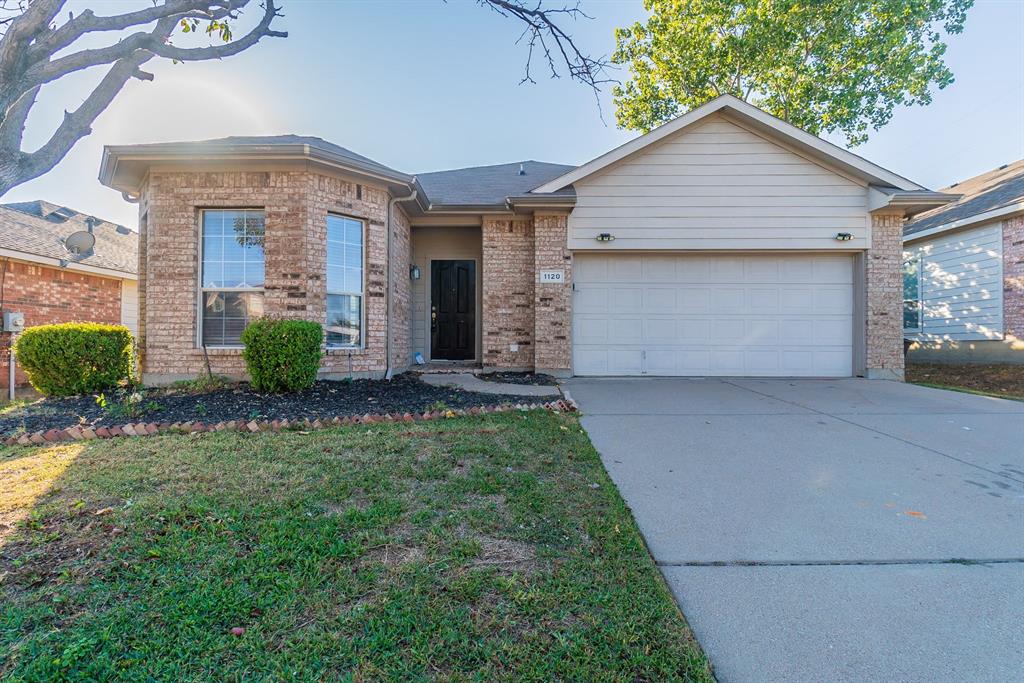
(1003, 166)
(522, 171)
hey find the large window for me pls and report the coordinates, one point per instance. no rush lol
(232, 274)
(912, 291)
(344, 281)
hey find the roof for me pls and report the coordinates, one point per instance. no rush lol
(758, 120)
(998, 189)
(487, 185)
(39, 228)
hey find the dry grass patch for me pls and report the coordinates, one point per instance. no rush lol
(1003, 381)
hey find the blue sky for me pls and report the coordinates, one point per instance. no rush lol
(424, 85)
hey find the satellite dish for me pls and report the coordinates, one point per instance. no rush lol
(80, 242)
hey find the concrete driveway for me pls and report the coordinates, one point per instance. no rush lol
(840, 530)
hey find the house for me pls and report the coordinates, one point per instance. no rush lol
(60, 265)
(726, 242)
(963, 281)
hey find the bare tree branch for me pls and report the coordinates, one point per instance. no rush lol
(557, 47)
(30, 41)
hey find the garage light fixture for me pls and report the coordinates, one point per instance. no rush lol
(605, 237)
(844, 237)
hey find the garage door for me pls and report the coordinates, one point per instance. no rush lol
(776, 315)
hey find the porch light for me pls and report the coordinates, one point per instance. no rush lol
(414, 272)
(844, 237)
(605, 237)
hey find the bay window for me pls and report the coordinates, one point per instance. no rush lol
(231, 274)
(344, 281)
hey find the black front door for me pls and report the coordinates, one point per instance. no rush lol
(452, 310)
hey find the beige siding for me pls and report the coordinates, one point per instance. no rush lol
(130, 305)
(961, 285)
(719, 186)
(430, 243)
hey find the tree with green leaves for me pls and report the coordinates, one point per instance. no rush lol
(822, 65)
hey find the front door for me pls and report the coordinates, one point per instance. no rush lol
(452, 310)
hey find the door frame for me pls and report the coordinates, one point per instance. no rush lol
(477, 307)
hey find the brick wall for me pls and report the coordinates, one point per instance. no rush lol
(401, 285)
(884, 307)
(509, 289)
(1013, 279)
(296, 204)
(552, 302)
(53, 295)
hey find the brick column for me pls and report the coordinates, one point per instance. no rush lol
(884, 306)
(1013, 281)
(552, 301)
(508, 284)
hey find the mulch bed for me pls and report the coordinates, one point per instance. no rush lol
(999, 380)
(534, 379)
(403, 394)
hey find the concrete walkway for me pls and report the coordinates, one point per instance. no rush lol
(470, 382)
(839, 530)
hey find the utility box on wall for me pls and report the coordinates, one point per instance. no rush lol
(14, 321)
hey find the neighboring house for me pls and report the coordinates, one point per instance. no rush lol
(42, 276)
(964, 273)
(725, 242)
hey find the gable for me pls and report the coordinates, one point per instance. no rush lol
(719, 185)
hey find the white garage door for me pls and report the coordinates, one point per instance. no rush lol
(782, 315)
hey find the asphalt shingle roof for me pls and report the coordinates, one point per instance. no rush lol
(269, 140)
(986, 192)
(487, 184)
(39, 227)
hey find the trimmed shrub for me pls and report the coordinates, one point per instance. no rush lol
(282, 355)
(75, 358)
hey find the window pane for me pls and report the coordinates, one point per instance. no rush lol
(225, 315)
(233, 248)
(911, 278)
(344, 320)
(911, 315)
(344, 256)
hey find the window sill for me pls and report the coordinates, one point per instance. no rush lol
(222, 350)
(339, 350)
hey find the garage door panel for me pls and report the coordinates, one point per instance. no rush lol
(626, 299)
(660, 300)
(707, 314)
(763, 300)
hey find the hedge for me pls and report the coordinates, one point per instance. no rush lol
(282, 355)
(68, 359)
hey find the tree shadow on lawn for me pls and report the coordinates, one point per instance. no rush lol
(471, 548)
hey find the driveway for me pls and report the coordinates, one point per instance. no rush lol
(841, 530)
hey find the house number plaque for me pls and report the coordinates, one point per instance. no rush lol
(552, 276)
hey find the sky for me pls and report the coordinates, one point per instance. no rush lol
(423, 85)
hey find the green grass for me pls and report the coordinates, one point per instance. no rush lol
(465, 549)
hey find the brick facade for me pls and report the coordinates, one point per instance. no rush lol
(1013, 279)
(884, 298)
(53, 295)
(295, 205)
(553, 302)
(509, 289)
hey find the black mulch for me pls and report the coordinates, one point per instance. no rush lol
(403, 394)
(539, 380)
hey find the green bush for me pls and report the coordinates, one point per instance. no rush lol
(282, 355)
(75, 358)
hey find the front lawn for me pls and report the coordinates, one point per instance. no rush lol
(489, 548)
(1004, 381)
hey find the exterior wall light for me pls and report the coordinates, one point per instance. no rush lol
(605, 237)
(414, 272)
(844, 237)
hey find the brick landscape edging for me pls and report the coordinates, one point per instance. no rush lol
(80, 433)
